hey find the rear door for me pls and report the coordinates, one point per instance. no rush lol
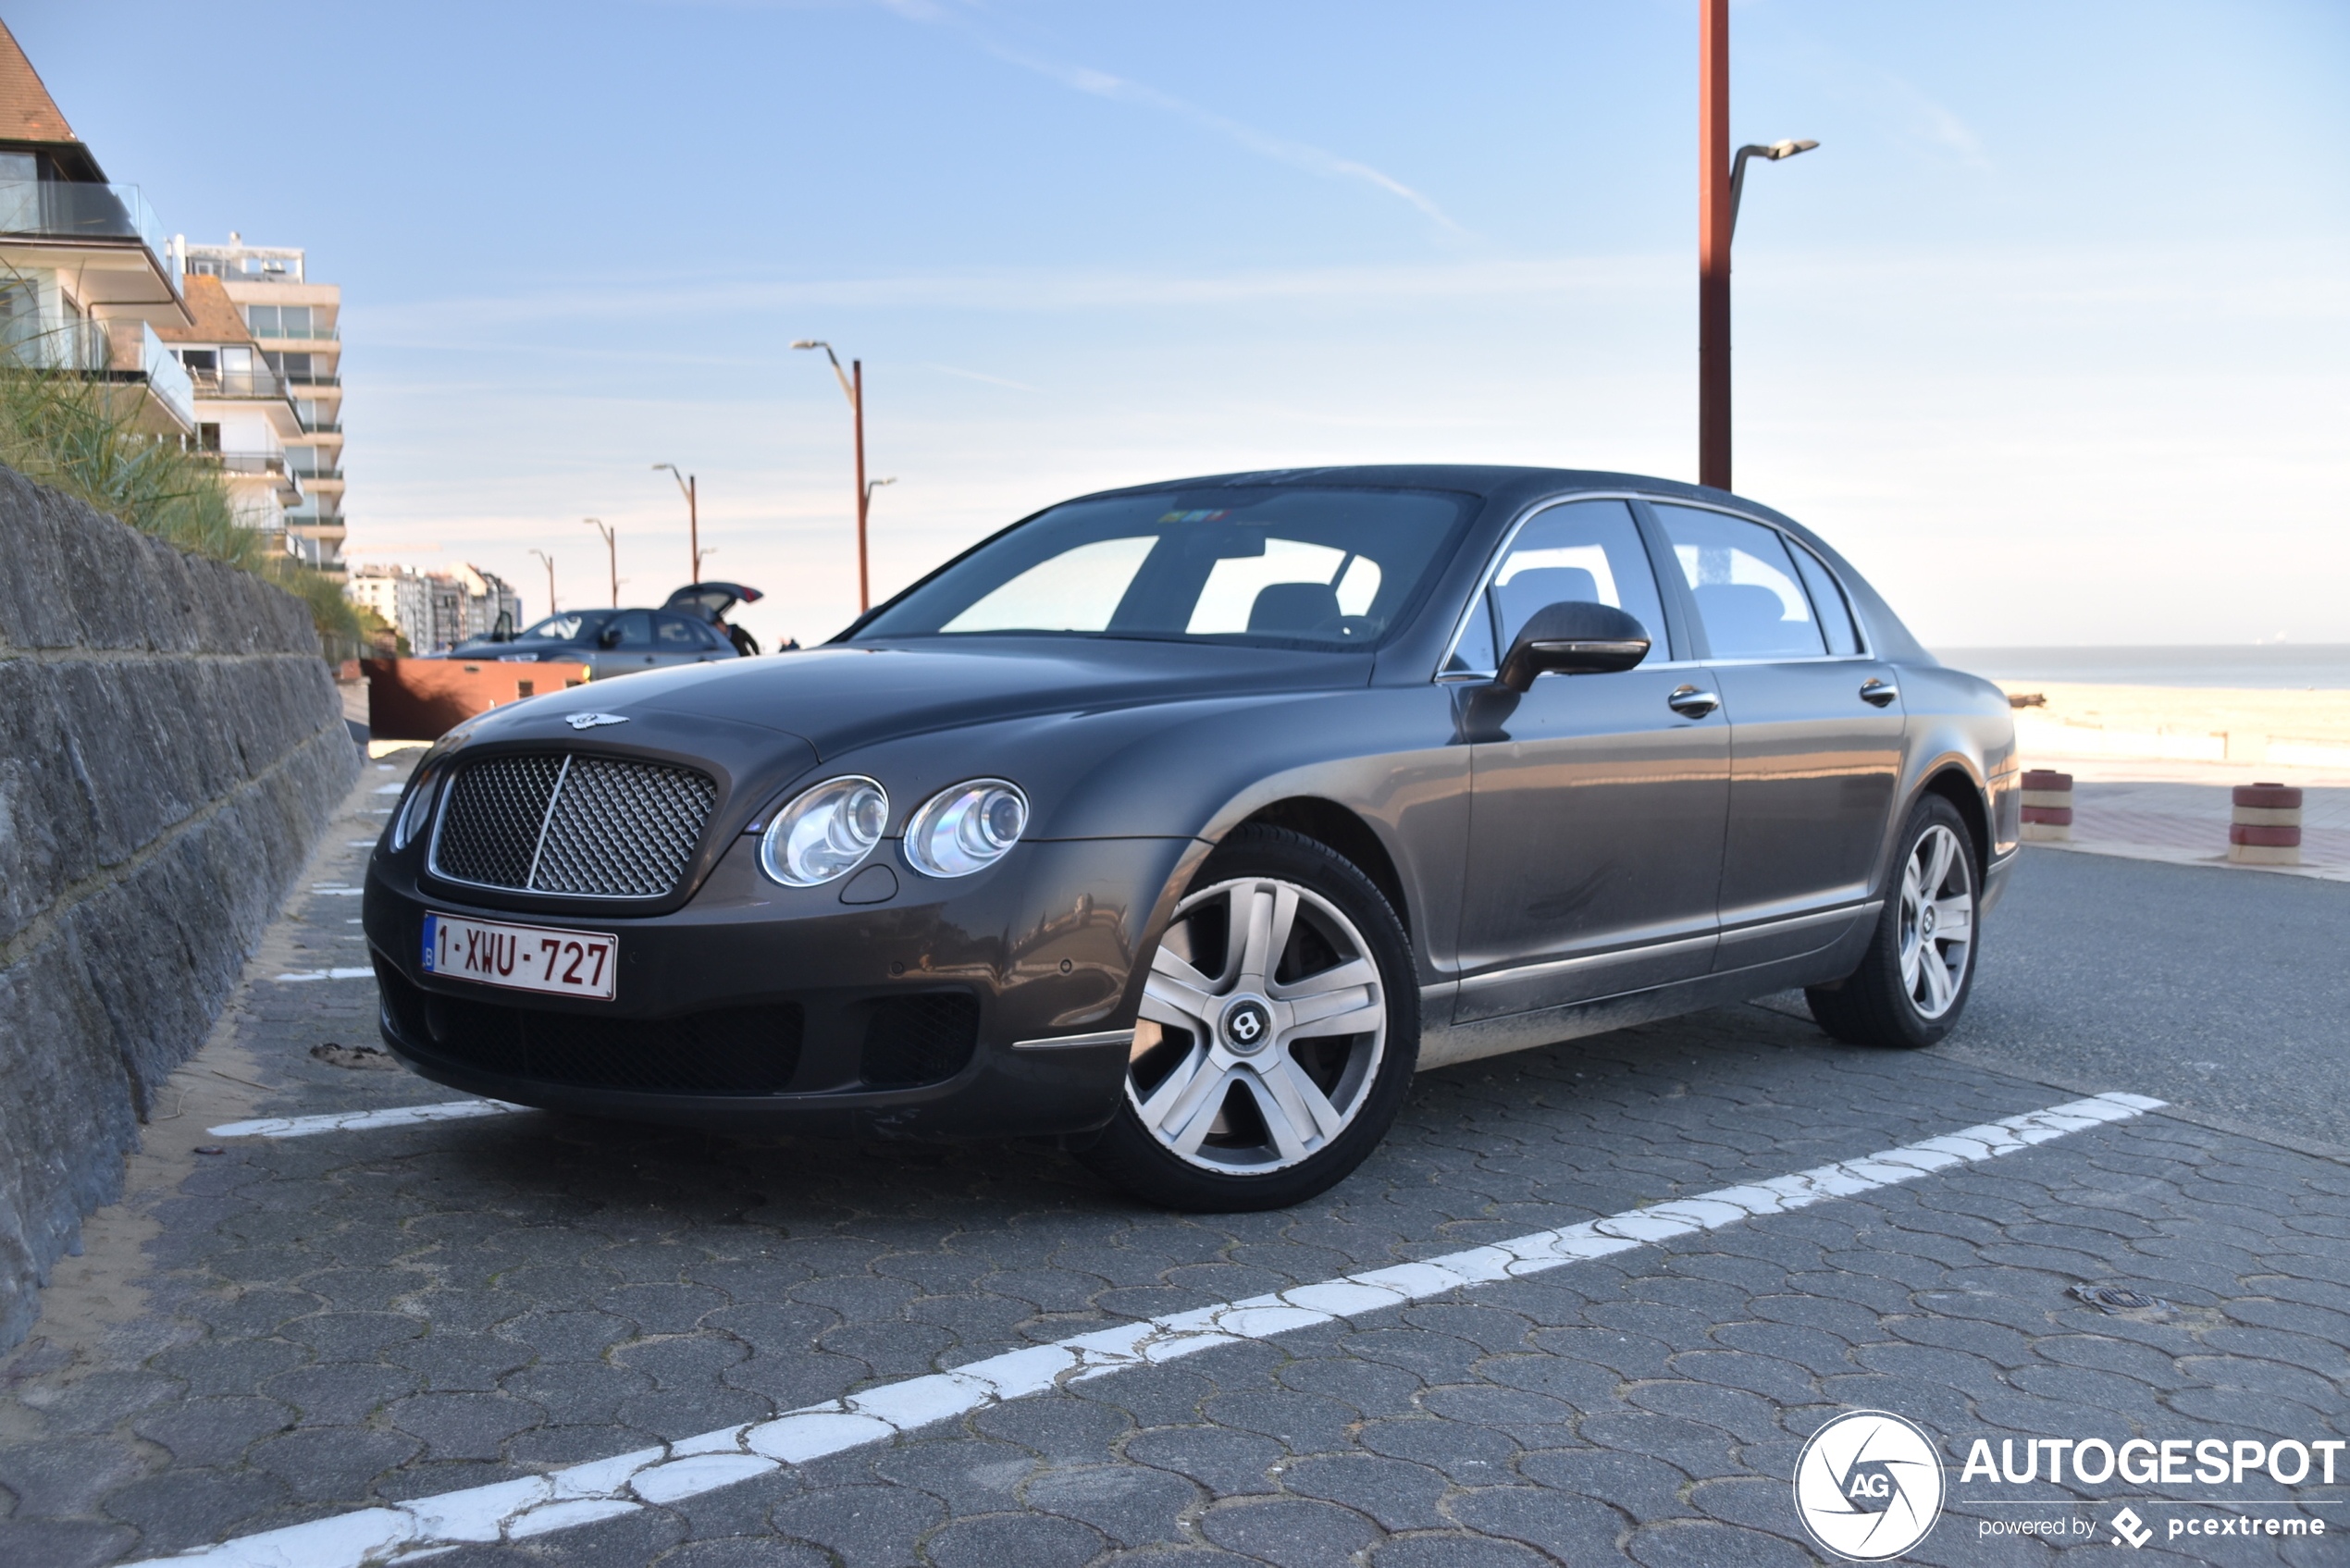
(1597, 810)
(680, 639)
(1816, 733)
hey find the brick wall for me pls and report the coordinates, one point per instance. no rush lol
(171, 742)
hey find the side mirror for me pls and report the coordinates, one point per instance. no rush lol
(609, 637)
(1573, 638)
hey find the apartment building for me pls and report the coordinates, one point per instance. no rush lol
(295, 328)
(85, 279)
(243, 414)
(436, 610)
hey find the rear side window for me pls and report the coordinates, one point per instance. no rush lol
(1827, 599)
(633, 629)
(678, 634)
(1586, 552)
(1748, 596)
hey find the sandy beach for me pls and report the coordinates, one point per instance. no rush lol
(2185, 724)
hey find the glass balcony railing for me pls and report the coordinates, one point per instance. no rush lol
(33, 342)
(295, 379)
(258, 382)
(250, 462)
(166, 379)
(59, 209)
(322, 427)
(270, 333)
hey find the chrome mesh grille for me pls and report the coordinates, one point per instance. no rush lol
(597, 827)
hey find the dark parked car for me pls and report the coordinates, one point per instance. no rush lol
(1185, 822)
(611, 642)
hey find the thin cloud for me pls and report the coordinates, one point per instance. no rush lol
(1101, 84)
(975, 376)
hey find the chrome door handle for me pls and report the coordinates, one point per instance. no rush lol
(1692, 703)
(1882, 693)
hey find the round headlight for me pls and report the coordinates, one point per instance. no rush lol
(967, 828)
(825, 832)
(414, 812)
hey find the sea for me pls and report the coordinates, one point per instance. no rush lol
(2256, 666)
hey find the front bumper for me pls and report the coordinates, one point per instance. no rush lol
(998, 1004)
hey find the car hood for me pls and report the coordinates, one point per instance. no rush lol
(840, 697)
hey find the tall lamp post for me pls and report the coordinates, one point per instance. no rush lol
(612, 554)
(550, 578)
(852, 382)
(1720, 184)
(690, 486)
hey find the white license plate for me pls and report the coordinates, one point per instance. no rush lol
(561, 963)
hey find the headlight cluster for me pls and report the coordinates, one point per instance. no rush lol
(828, 831)
(967, 828)
(415, 812)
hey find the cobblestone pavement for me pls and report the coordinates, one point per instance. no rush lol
(290, 1328)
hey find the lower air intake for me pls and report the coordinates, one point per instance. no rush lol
(916, 1040)
(727, 1051)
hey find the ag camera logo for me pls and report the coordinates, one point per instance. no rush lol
(1868, 1485)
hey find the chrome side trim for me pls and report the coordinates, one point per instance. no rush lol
(1071, 1042)
(1584, 961)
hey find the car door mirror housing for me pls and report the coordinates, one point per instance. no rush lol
(1574, 637)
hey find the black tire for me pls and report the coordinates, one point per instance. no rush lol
(1230, 1082)
(1890, 1000)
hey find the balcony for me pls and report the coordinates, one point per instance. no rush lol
(306, 474)
(124, 351)
(249, 462)
(297, 381)
(258, 382)
(267, 334)
(322, 427)
(53, 209)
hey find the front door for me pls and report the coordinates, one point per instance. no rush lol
(1598, 807)
(1815, 735)
(626, 645)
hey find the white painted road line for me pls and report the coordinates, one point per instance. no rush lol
(346, 1121)
(324, 974)
(607, 1489)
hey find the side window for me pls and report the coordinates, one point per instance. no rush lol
(678, 634)
(1586, 550)
(1836, 613)
(634, 629)
(1745, 586)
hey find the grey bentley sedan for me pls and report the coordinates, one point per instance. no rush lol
(1183, 825)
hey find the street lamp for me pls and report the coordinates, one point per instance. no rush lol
(1721, 183)
(550, 578)
(1771, 153)
(612, 554)
(687, 484)
(852, 382)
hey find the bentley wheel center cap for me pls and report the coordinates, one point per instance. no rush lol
(1247, 1026)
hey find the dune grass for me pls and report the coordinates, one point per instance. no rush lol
(77, 435)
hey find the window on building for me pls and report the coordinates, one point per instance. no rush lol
(278, 321)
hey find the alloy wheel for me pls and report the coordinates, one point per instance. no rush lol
(1264, 1021)
(1937, 921)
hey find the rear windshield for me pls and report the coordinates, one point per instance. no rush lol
(1329, 568)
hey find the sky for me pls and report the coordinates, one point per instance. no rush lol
(2050, 337)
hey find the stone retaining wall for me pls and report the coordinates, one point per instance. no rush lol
(170, 745)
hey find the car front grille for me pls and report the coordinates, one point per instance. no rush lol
(726, 1051)
(592, 827)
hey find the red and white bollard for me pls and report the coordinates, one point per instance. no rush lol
(2267, 827)
(2048, 805)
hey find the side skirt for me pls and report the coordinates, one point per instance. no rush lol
(1443, 1045)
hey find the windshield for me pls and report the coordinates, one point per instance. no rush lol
(1330, 568)
(567, 627)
